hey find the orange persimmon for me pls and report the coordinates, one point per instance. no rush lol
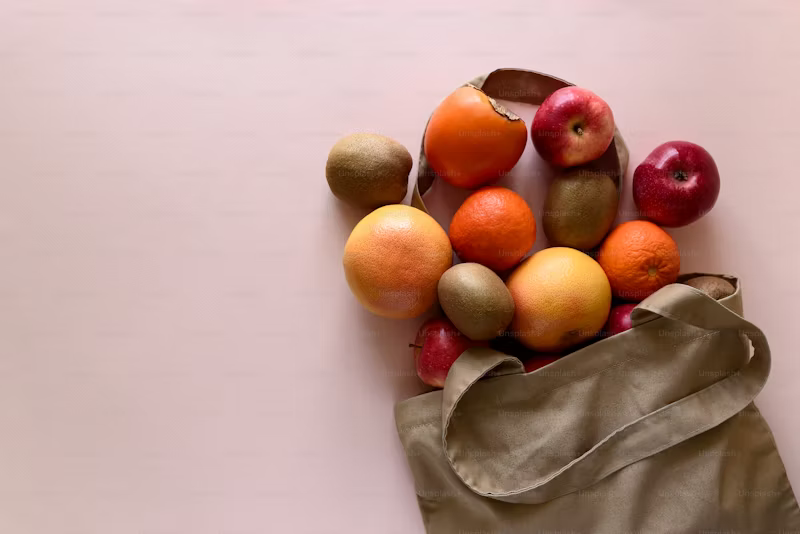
(472, 140)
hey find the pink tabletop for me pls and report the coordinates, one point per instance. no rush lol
(179, 351)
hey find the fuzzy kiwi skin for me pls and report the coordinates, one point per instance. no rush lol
(713, 286)
(580, 208)
(368, 170)
(476, 300)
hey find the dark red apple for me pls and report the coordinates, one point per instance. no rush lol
(619, 319)
(676, 184)
(572, 126)
(437, 346)
(539, 361)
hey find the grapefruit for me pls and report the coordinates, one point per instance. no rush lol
(393, 260)
(562, 298)
(639, 258)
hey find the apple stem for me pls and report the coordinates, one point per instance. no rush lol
(681, 176)
(412, 345)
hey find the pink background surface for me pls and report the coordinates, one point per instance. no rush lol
(179, 351)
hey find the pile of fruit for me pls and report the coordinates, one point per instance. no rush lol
(398, 260)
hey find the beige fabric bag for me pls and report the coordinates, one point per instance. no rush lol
(650, 431)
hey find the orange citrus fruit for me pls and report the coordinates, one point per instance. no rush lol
(639, 258)
(393, 260)
(471, 139)
(494, 227)
(561, 296)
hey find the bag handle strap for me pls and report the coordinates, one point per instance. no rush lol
(638, 439)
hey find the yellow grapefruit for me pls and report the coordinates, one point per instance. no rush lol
(393, 260)
(561, 296)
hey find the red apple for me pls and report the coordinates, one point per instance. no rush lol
(676, 184)
(572, 126)
(437, 346)
(539, 361)
(619, 319)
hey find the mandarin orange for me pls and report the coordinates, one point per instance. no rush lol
(494, 227)
(639, 258)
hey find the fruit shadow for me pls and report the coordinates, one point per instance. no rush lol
(699, 244)
(390, 359)
(443, 200)
(345, 216)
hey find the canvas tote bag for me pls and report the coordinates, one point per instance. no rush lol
(649, 431)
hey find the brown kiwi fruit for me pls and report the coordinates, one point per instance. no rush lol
(713, 286)
(580, 208)
(476, 300)
(368, 170)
